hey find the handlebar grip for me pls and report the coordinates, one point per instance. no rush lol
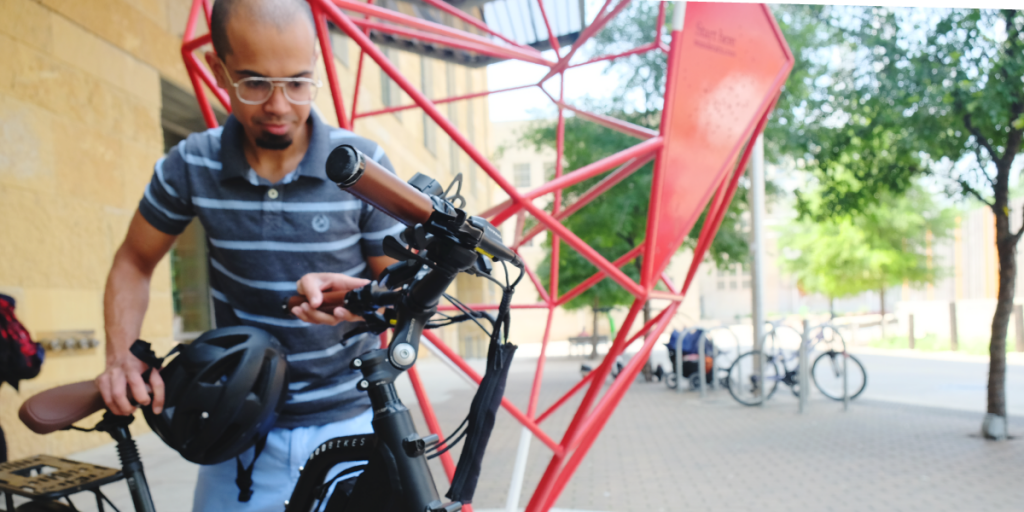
(367, 180)
(331, 300)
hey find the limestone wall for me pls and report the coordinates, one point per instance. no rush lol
(80, 129)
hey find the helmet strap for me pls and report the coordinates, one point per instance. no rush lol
(244, 478)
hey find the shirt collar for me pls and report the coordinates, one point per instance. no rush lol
(312, 165)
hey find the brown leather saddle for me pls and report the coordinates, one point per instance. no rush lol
(60, 407)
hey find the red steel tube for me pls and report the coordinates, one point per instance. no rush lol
(556, 204)
(332, 76)
(614, 178)
(661, 24)
(599, 275)
(359, 75)
(447, 35)
(587, 33)
(430, 418)
(639, 49)
(538, 376)
(485, 48)
(444, 6)
(536, 282)
(552, 40)
(565, 397)
(204, 104)
(390, 110)
(618, 125)
(583, 173)
(512, 409)
(603, 412)
(600, 373)
(580, 384)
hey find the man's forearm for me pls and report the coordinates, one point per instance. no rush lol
(124, 304)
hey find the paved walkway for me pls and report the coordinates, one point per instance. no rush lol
(666, 451)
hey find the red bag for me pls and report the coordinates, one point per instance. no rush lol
(20, 357)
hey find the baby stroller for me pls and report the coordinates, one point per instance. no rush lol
(689, 339)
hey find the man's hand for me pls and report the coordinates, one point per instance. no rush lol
(124, 372)
(312, 287)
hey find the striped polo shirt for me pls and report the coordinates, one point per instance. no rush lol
(263, 237)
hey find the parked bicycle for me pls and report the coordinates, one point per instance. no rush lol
(755, 376)
(396, 477)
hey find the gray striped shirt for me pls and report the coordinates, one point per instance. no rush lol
(263, 237)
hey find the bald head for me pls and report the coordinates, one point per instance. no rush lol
(276, 13)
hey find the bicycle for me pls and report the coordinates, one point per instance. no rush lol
(396, 477)
(754, 377)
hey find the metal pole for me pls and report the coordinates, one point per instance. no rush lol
(757, 252)
(701, 366)
(1018, 316)
(911, 333)
(679, 360)
(846, 391)
(804, 374)
(954, 342)
(515, 487)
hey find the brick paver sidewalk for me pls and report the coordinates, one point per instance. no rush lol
(666, 451)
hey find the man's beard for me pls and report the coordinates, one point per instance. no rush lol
(275, 142)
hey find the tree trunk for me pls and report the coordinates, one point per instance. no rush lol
(881, 295)
(832, 308)
(593, 331)
(994, 426)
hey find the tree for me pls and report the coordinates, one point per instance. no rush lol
(894, 94)
(881, 247)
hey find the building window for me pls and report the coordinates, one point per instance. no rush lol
(746, 284)
(339, 46)
(453, 156)
(427, 87)
(521, 175)
(721, 284)
(732, 285)
(390, 93)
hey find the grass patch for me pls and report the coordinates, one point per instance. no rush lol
(934, 343)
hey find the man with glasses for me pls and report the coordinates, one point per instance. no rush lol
(259, 188)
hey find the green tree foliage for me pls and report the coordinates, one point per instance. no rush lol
(883, 246)
(615, 222)
(894, 94)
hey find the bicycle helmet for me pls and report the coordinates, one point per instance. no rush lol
(222, 393)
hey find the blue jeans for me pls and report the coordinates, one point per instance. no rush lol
(276, 470)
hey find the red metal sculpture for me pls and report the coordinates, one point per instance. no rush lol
(726, 67)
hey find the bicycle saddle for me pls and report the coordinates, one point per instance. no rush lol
(58, 408)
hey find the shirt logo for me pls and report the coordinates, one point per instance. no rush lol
(321, 223)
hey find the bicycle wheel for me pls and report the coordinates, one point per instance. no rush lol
(827, 373)
(746, 375)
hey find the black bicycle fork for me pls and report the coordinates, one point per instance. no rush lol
(395, 477)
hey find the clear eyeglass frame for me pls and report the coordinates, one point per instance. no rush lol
(247, 87)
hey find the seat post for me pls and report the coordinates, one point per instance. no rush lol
(131, 462)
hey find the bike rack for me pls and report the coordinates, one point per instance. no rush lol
(715, 104)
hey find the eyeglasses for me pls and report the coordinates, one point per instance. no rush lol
(256, 90)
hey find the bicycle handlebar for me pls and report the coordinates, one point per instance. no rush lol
(367, 180)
